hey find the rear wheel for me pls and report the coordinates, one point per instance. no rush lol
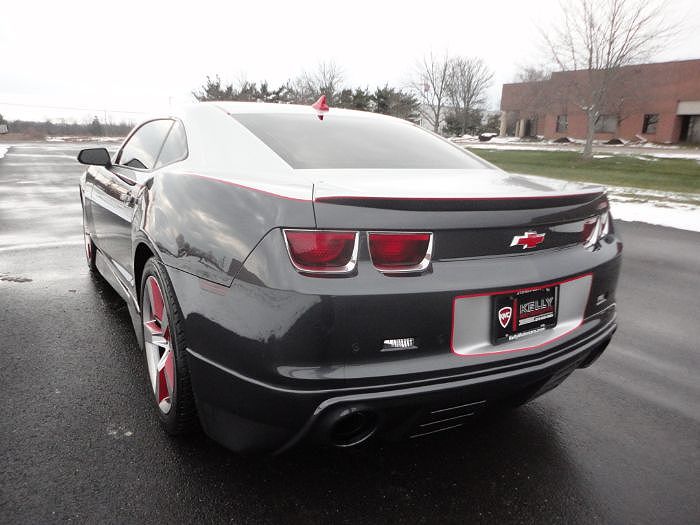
(90, 250)
(164, 343)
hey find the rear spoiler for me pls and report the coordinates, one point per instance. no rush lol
(465, 204)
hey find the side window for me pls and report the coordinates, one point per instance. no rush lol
(175, 147)
(650, 122)
(606, 124)
(144, 145)
(562, 123)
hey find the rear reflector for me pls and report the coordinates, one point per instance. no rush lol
(314, 251)
(406, 343)
(400, 252)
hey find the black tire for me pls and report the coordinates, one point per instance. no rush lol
(90, 249)
(181, 417)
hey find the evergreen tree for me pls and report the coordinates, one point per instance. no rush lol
(213, 90)
(358, 99)
(95, 128)
(361, 99)
(458, 123)
(345, 98)
(390, 101)
(306, 89)
(493, 123)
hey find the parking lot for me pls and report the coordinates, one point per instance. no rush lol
(79, 441)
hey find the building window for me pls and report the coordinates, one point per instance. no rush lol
(606, 124)
(650, 122)
(562, 123)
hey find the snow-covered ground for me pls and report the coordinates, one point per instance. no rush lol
(3, 150)
(662, 208)
(681, 216)
(84, 139)
(675, 210)
(639, 150)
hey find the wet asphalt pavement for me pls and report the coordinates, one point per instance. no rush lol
(79, 441)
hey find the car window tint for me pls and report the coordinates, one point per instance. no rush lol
(144, 145)
(307, 142)
(175, 147)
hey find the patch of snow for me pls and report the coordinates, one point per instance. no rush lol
(654, 195)
(42, 155)
(464, 138)
(3, 150)
(602, 156)
(84, 139)
(690, 154)
(663, 208)
(603, 151)
(495, 145)
(506, 140)
(681, 216)
(655, 145)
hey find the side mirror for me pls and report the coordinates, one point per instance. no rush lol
(95, 157)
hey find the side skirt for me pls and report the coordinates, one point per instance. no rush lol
(110, 274)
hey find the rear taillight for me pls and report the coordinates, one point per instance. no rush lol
(315, 251)
(398, 252)
(605, 221)
(590, 232)
(595, 228)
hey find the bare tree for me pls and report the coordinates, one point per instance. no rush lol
(327, 80)
(430, 85)
(532, 73)
(469, 79)
(598, 38)
(537, 95)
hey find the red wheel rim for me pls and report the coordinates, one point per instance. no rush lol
(157, 340)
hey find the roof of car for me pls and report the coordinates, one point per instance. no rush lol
(233, 108)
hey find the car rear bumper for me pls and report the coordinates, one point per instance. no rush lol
(278, 357)
(247, 415)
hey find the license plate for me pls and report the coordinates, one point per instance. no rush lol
(525, 312)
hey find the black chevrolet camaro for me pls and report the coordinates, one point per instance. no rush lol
(299, 274)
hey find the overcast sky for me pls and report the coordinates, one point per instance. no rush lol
(143, 55)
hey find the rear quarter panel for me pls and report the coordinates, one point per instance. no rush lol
(207, 226)
(204, 215)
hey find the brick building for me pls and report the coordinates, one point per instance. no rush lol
(657, 102)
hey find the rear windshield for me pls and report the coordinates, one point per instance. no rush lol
(306, 142)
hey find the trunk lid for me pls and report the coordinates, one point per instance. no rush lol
(471, 212)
